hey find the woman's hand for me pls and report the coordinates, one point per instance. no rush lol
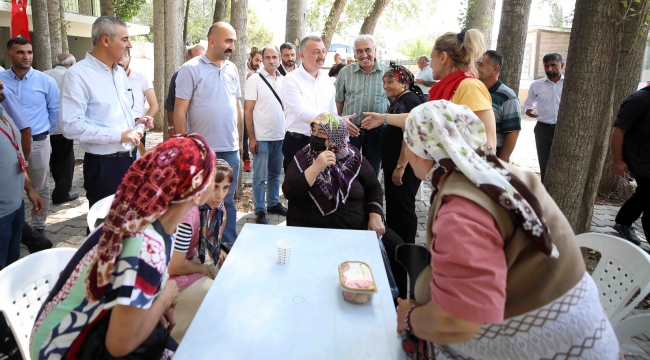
(376, 224)
(167, 320)
(222, 258)
(403, 307)
(397, 176)
(372, 120)
(325, 159)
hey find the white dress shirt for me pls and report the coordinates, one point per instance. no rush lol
(268, 117)
(546, 95)
(96, 106)
(426, 74)
(304, 97)
(139, 84)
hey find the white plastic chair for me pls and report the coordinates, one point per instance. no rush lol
(25, 285)
(623, 269)
(629, 327)
(99, 210)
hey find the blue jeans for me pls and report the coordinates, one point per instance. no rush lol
(230, 231)
(368, 143)
(267, 165)
(11, 228)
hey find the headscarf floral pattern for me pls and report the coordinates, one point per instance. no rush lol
(453, 137)
(172, 172)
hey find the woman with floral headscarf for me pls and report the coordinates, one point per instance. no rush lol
(400, 183)
(330, 185)
(506, 278)
(113, 300)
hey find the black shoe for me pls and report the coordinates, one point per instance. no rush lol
(628, 233)
(261, 218)
(46, 245)
(278, 209)
(70, 197)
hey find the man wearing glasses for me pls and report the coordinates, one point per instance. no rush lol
(359, 88)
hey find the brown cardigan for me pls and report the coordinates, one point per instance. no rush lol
(534, 279)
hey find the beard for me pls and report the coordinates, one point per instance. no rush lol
(552, 74)
(2, 97)
(289, 63)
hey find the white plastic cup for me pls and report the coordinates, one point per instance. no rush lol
(284, 251)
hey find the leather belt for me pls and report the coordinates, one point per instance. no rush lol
(40, 137)
(128, 154)
(551, 125)
(298, 136)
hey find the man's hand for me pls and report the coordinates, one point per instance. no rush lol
(324, 159)
(530, 113)
(372, 120)
(352, 129)
(419, 81)
(375, 224)
(619, 167)
(147, 120)
(131, 136)
(253, 146)
(167, 320)
(397, 176)
(36, 200)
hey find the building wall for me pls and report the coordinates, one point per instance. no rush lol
(551, 42)
(78, 46)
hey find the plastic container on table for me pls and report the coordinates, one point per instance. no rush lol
(357, 282)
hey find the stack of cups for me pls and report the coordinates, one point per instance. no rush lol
(284, 251)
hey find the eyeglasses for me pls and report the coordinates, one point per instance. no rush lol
(361, 51)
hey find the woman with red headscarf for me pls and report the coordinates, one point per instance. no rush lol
(113, 300)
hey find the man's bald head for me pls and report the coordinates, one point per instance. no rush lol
(221, 42)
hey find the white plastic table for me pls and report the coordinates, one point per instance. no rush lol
(258, 309)
(99, 210)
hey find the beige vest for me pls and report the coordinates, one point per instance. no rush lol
(534, 279)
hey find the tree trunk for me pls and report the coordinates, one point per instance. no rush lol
(64, 29)
(159, 83)
(107, 8)
(41, 37)
(54, 22)
(370, 22)
(627, 78)
(220, 10)
(187, 13)
(579, 146)
(239, 21)
(512, 39)
(85, 7)
(296, 27)
(480, 16)
(332, 21)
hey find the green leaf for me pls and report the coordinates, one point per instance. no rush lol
(624, 3)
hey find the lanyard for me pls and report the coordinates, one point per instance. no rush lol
(14, 142)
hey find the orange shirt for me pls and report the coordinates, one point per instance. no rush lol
(474, 94)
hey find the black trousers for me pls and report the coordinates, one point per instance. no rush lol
(637, 204)
(246, 154)
(290, 147)
(544, 134)
(62, 166)
(32, 238)
(102, 175)
(400, 200)
(391, 240)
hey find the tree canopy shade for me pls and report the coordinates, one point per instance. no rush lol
(125, 10)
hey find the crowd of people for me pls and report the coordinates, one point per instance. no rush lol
(501, 250)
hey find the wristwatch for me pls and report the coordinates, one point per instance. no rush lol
(400, 166)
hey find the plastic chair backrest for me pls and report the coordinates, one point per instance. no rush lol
(623, 269)
(25, 285)
(414, 258)
(632, 326)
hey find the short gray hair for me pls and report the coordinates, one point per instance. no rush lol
(105, 25)
(365, 37)
(304, 40)
(425, 58)
(65, 59)
(271, 46)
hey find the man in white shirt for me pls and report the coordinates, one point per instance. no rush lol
(305, 93)
(252, 67)
(142, 90)
(62, 157)
(265, 123)
(213, 108)
(424, 77)
(96, 102)
(546, 93)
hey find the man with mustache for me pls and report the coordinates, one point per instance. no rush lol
(305, 93)
(253, 67)
(265, 125)
(38, 95)
(546, 93)
(359, 89)
(208, 95)
(288, 56)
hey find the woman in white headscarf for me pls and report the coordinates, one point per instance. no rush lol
(498, 286)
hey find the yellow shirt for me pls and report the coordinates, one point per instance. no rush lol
(474, 94)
